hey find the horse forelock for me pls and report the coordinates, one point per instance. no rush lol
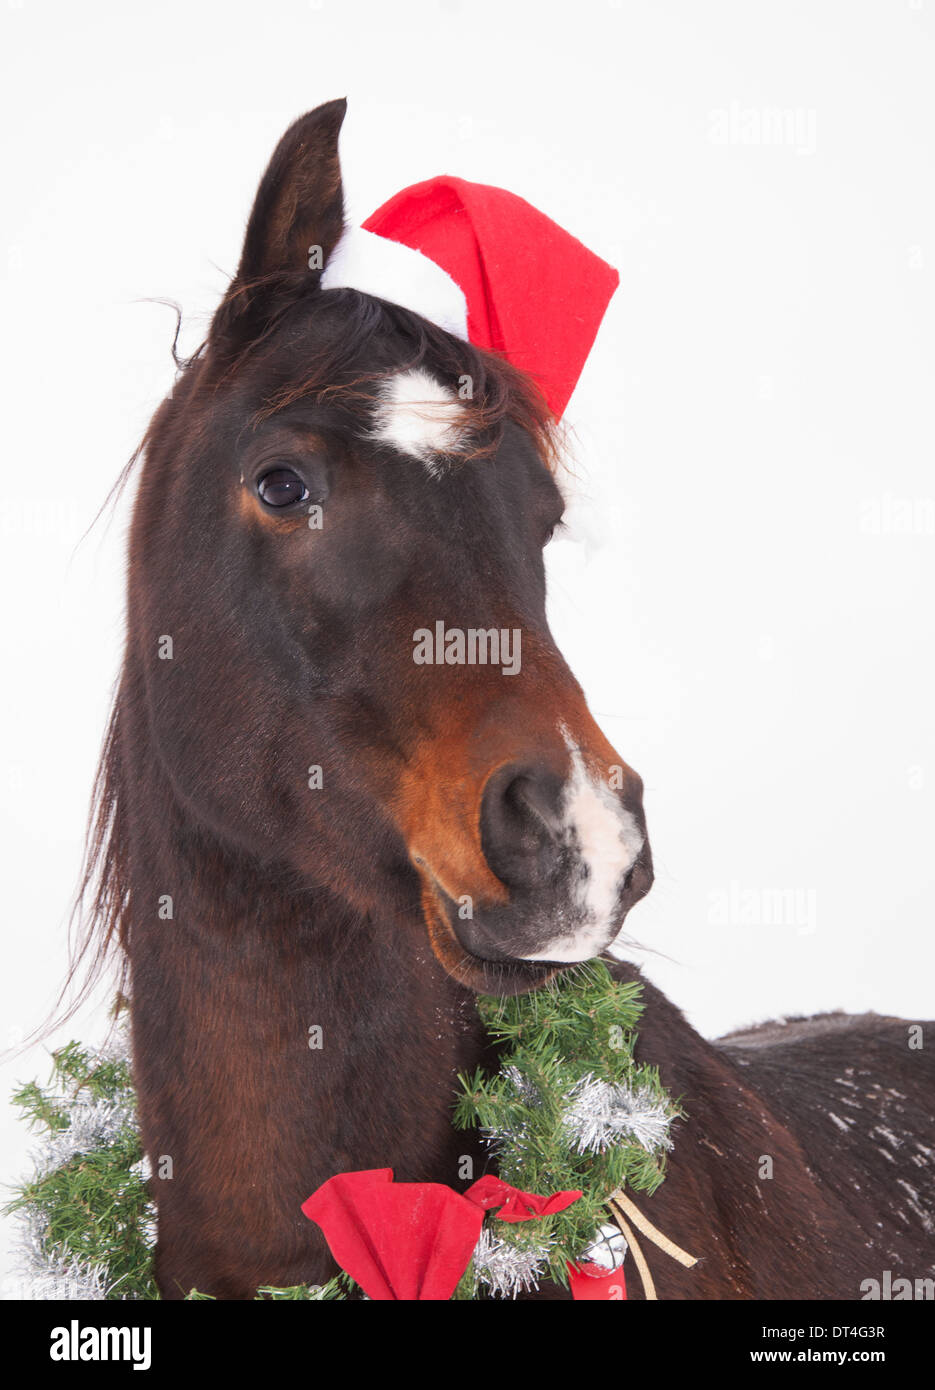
(398, 378)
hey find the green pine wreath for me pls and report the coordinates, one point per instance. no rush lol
(569, 1108)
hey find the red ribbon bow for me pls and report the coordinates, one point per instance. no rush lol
(413, 1240)
(397, 1240)
(515, 1205)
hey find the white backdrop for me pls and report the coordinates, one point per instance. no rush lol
(747, 592)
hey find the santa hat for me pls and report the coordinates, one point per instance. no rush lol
(488, 267)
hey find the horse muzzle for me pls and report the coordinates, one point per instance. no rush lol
(561, 856)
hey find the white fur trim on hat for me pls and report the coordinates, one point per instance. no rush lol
(389, 270)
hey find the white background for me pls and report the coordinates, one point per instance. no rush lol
(748, 602)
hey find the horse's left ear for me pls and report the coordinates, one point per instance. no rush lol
(297, 218)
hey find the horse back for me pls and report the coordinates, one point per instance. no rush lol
(858, 1091)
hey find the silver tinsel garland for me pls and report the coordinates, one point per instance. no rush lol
(509, 1269)
(92, 1124)
(515, 1136)
(523, 1089)
(48, 1272)
(600, 1113)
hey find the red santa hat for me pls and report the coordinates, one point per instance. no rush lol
(488, 267)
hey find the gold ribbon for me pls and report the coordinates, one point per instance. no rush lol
(622, 1208)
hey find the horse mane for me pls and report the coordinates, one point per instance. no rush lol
(101, 914)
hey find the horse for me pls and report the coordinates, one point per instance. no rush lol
(312, 850)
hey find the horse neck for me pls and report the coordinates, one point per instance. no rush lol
(318, 1039)
(332, 1035)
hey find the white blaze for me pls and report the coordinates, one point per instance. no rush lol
(419, 416)
(609, 842)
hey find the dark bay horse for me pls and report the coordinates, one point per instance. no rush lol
(313, 849)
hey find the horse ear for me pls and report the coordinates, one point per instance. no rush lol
(297, 217)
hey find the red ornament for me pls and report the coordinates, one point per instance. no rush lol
(593, 1283)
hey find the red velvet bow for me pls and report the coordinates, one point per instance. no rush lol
(397, 1240)
(514, 1204)
(413, 1240)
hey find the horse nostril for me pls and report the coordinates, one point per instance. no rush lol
(520, 825)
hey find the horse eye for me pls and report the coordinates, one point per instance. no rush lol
(281, 487)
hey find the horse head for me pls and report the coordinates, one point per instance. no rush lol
(340, 531)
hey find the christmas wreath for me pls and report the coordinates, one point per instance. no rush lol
(571, 1120)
